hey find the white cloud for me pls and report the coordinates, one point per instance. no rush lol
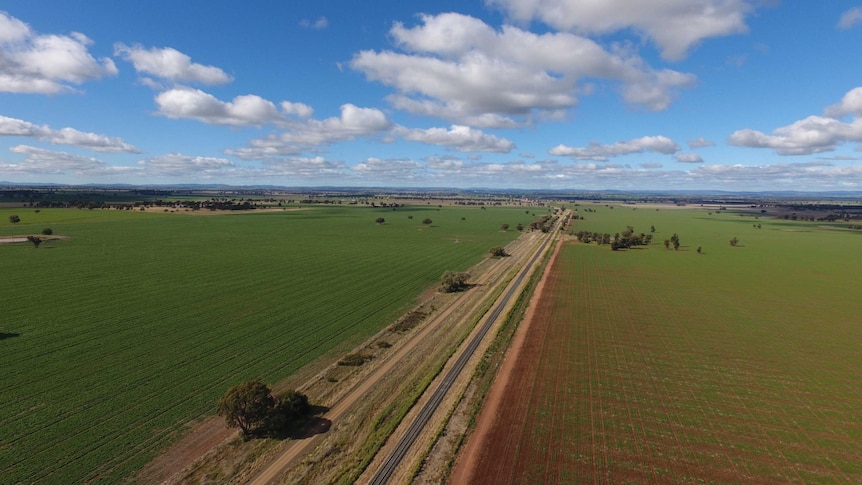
(602, 153)
(688, 158)
(850, 18)
(814, 134)
(674, 25)
(458, 68)
(387, 170)
(171, 64)
(306, 168)
(64, 136)
(312, 134)
(298, 109)
(700, 142)
(851, 104)
(319, 24)
(176, 164)
(41, 161)
(447, 163)
(45, 64)
(461, 138)
(195, 104)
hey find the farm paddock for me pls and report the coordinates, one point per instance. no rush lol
(738, 365)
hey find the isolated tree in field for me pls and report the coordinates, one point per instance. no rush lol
(452, 282)
(734, 241)
(699, 250)
(519, 227)
(675, 241)
(36, 240)
(247, 406)
(14, 219)
(667, 243)
(47, 231)
(651, 228)
(498, 251)
(504, 227)
(426, 221)
(380, 220)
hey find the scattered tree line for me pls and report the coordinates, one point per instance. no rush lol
(543, 223)
(625, 240)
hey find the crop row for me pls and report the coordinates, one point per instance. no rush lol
(655, 366)
(139, 324)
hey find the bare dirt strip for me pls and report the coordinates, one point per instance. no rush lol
(468, 459)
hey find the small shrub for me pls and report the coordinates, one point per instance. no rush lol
(47, 231)
(354, 360)
(409, 321)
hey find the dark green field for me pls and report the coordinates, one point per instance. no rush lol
(739, 365)
(116, 338)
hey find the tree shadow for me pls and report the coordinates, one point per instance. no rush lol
(5, 335)
(309, 425)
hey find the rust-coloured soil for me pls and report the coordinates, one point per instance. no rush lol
(480, 444)
(592, 393)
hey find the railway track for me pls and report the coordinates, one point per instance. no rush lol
(399, 452)
(292, 453)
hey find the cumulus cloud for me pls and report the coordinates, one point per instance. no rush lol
(602, 153)
(447, 163)
(297, 109)
(688, 158)
(674, 25)
(461, 138)
(851, 104)
(700, 142)
(176, 164)
(45, 64)
(64, 136)
(312, 134)
(814, 134)
(39, 161)
(850, 18)
(171, 64)
(458, 68)
(394, 168)
(305, 167)
(195, 104)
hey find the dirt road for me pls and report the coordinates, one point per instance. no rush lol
(469, 303)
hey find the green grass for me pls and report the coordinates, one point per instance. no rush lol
(119, 336)
(738, 365)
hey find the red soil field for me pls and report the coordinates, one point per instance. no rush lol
(618, 382)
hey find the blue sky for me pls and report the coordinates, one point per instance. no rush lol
(558, 94)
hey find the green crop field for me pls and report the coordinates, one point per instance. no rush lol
(739, 365)
(113, 340)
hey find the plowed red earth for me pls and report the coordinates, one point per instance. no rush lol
(609, 387)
